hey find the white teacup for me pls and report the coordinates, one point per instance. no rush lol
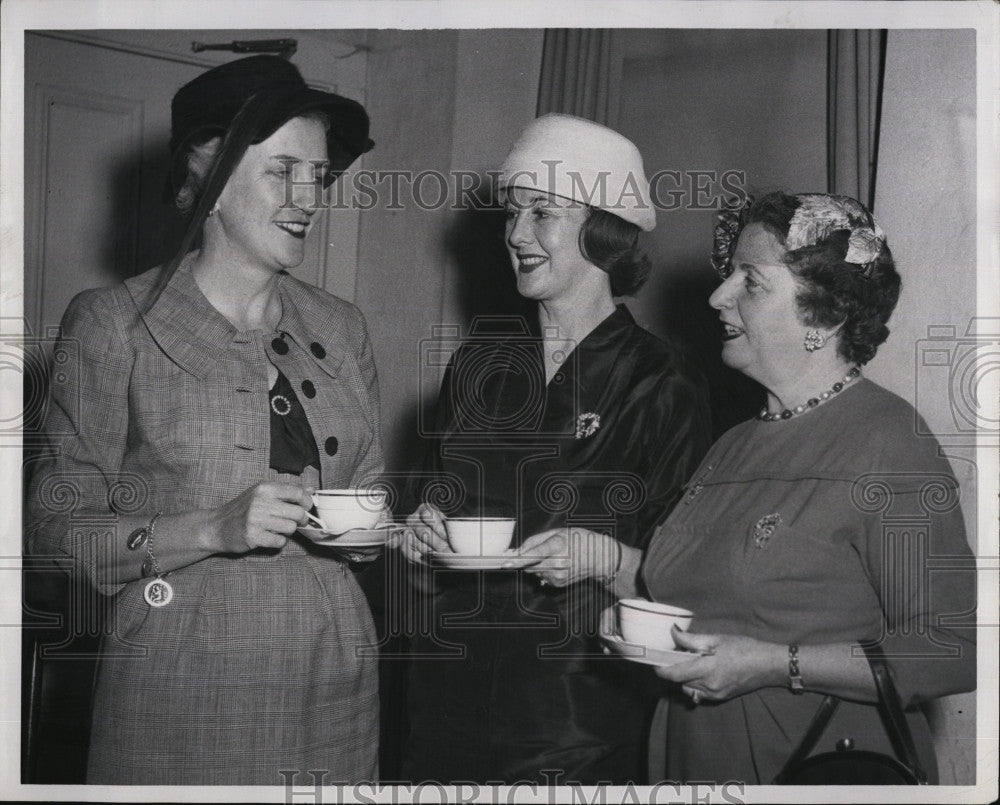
(485, 536)
(343, 509)
(646, 623)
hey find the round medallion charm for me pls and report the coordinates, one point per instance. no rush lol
(158, 593)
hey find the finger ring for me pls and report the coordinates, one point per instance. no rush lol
(543, 582)
(695, 696)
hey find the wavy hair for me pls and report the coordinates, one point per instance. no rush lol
(612, 244)
(833, 292)
(201, 158)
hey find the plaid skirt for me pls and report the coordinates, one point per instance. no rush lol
(261, 668)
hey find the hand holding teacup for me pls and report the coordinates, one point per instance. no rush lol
(726, 665)
(429, 531)
(342, 510)
(651, 624)
(425, 533)
(569, 555)
(263, 516)
(480, 536)
(655, 627)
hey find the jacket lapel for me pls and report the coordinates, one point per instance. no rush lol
(191, 332)
(195, 335)
(310, 324)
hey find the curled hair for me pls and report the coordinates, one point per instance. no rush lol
(612, 244)
(201, 157)
(833, 292)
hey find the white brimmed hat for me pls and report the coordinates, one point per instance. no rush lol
(584, 161)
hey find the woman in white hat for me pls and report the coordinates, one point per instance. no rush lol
(582, 426)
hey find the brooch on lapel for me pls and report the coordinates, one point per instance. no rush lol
(587, 425)
(764, 529)
(693, 489)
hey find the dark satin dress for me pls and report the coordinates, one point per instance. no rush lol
(507, 680)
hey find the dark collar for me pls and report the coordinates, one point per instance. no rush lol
(608, 331)
(599, 356)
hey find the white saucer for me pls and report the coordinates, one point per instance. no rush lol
(643, 654)
(355, 538)
(509, 560)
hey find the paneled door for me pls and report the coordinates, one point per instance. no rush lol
(97, 125)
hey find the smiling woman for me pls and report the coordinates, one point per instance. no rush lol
(761, 321)
(218, 391)
(260, 220)
(585, 436)
(806, 533)
(543, 233)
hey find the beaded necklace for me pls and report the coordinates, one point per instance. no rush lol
(812, 402)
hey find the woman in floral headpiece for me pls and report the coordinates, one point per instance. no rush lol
(804, 533)
(581, 425)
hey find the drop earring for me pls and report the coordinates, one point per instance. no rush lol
(814, 340)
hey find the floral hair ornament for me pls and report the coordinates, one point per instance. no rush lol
(819, 215)
(728, 225)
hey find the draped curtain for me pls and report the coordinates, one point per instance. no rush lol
(580, 74)
(581, 71)
(855, 69)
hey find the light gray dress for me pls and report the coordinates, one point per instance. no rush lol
(824, 528)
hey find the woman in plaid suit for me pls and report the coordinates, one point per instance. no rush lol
(197, 405)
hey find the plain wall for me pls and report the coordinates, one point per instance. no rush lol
(410, 91)
(442, 101)
(704, 102)
(926, 202)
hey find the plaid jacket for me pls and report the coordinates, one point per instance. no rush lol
(254, 666)
(169, 411)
